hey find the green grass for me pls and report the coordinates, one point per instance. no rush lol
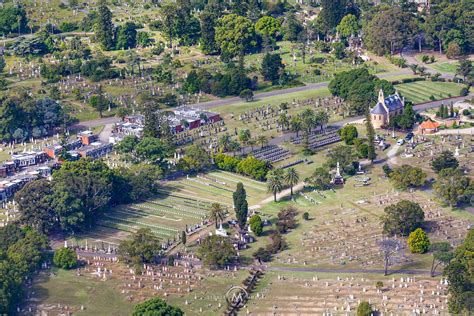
(66, 288)
(449, 67)
(421, 91)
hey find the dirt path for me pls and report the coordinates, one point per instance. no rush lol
(284, 193)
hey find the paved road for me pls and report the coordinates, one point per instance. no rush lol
(228, 101)
(409, 55)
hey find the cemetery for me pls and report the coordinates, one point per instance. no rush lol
(262, 160)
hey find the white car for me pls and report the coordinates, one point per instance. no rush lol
(400, 142)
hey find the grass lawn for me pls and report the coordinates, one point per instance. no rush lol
(449, 67)
(66, 288)
(421, 91)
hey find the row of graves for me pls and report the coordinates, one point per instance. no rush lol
(422, 148)
(265, 117)
(351, 235)
(319, 138)
(271, 153)
(335, 294)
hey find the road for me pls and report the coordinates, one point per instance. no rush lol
(348, 271)
(228, 101)
(409, 55)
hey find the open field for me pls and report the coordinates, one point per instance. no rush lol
(422, 91)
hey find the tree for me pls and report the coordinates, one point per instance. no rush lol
(291, 28)
(348, 134)
(348, 26)
(364, 309)
(99, 103)
(339, 50)
(342, 154)
(453, 187)
(389, 249)
(13, 19)
(262, 140)
(268, 27)
(216, 213)
(81, 191)
(332, 12)
(465, 68)
(272, 67)
(156, 307)
(418, 241)
(398, 28)
(152, 150)
(254, 168)
(460, 277)
(402, 218)
(291, 178)
(196, 159)
(65, 258)
(262, 255)
(296, 125)
(142, 247)
(208, 18)
(104, 28)
(169, 21)
(246, 94)
(453, 50)
(244, 136)
(183, 237)
(407, 176)
(442, 255)
(34, 204)
(275, 182)
(216, 251)
(3, 64)
(127, 36)
(256, 225)
(286, 219)
(240, 205)
(234, 35)
(321, 179)
(444, 161)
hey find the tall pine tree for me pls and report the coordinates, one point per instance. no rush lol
(370, 137)
(240, 205)
(104, 28)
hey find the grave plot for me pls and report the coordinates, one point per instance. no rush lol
(319, 138)
(333, 294)
(180, 205)
(272, 153)
(344, 228)
(428, 147)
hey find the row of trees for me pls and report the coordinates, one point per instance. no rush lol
(22, 117)
(22, 251)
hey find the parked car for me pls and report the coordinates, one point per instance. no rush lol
(400, 142)
(409, 136)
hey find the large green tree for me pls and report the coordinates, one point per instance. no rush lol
(216, 251)
(402, 218)
(240, 205)
(453, 187)
(156, 307)
(35, 205)
(235, 35)
(104, 28)
(142, 247)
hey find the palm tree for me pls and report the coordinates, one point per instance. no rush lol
(275, 182)
(224, 142)
(216, 213)
(244, 137)
(322, 118)
(291, 178)
(295, 124)
(251, 142)
(262, 140)
(283, 121)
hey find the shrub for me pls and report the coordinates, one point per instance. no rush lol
(306, 216)
(364, 309)
(466, 112)
(464, 91)
(418, 241)
(65, 258)
(256, 224)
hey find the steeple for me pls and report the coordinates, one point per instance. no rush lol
(381, 97)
